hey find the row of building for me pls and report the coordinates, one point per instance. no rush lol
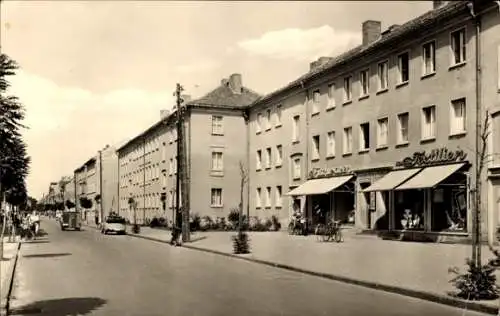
(383, 137)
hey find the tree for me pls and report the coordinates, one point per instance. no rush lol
(14, 161)
(243, 181)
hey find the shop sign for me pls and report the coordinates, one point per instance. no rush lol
(328, 172)
(435, 156)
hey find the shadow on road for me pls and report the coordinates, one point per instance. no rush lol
(47, 255)
(72, 306)
(37, 242)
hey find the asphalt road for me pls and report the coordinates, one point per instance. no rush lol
(86, 273)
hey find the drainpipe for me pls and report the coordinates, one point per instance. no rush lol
(308, 162)
(101, 200)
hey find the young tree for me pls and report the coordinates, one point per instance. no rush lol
(243, 181)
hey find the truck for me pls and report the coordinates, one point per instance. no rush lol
(71, 219)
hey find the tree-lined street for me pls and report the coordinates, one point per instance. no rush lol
(86, 273)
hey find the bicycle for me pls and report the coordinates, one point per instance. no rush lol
(330, 231)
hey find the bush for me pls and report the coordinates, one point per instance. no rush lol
(194, 223)
(206, 223)
(276, 223)
(478, 283)
(154, 222)
(241, 243)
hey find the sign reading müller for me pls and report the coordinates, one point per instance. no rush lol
(434, 157)
(317, 173)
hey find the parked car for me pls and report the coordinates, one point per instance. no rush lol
(114, 224)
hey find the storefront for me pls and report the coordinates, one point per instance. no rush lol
(427, 192)
(329, 194)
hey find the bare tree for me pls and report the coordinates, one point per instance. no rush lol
(243, 181)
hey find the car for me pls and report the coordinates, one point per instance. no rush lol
(114, 224)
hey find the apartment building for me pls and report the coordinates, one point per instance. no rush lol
(383, 137)
(215, 134)
(97, 180)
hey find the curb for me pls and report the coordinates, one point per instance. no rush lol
(428, 296)
(4, 309)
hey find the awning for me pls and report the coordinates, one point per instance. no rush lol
(319, 186)
(430, 177)
(392, 180)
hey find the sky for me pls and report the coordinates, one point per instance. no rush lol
(94, 73)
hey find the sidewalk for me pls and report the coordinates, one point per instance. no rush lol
(7, 265)
(408, 268)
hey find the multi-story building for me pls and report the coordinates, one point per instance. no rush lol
(215, 137)
(383, 137)
(97, 180)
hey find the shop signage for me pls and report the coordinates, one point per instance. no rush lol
(435, 156)
(328, 172)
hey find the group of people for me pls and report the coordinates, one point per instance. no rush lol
(25, 225)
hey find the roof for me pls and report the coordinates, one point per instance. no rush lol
(417, 24)
(221, 97)
(224, 96)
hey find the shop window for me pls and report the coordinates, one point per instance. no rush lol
(409, 210)
(449, 204)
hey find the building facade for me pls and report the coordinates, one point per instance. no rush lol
(383, 137)
(97, 181)
(215, 152)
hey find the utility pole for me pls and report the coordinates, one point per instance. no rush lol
(182, 214)
(100, 187)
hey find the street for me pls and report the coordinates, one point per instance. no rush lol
(85, 273)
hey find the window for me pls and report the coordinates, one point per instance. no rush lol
(429, 122)
(296, 168)
(278, 116)
(315, 147)
(217, 163)
(383, 75)
(258, 198)
(458, 47)
(164, 180)
(364, 79)
(458, 116)
(278, 197)
(347, 144)
(216, 198)
(364, 136)
(382, 132)
(163, 153)
(315, 102)
(404, 67)
(296, 130)
(268, 197)
(330, 144)
(347, 89)
(331, 96)
(429, 58)
(268, 119)
(217, 128)
(403, 128)
(279, 155)
(258, 123)
(258, 165)
(268, 157)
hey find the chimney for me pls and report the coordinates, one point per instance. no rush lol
(186, 98)
(438, 4)
(320, 62)
(371, 31)
(235, 83)
(224, 82)
(164, 113)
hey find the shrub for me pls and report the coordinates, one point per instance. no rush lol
(241, 243)
(276, 223)
(206, 223)
(154, 222)
(194, 223)
(478, 283)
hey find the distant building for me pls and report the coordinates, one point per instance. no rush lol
(215, 128)
(97, 180)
